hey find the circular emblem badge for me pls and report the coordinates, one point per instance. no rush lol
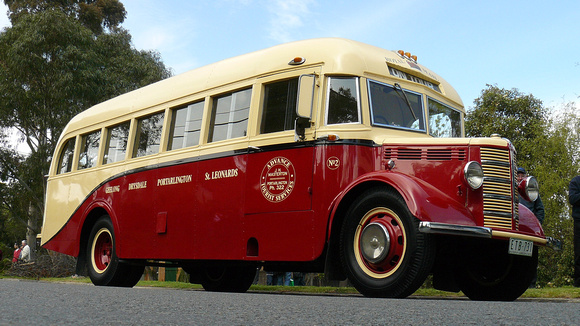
(277, 179)
(333, 163)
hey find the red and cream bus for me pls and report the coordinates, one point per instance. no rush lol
(325, 155)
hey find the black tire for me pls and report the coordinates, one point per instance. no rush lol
(103, 265)
(488, 273)
(407, 258)
(218, 277)
(132, 275)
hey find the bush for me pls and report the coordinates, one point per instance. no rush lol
(5, 265)
(46, 264)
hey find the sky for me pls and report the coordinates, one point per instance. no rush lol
(531, 45)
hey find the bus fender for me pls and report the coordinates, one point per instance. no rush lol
(424, 201)
(92, 213)
(528, 222)
(73, 235)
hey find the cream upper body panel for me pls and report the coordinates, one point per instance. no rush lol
(339, 56)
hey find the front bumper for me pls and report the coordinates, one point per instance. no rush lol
(485, 232)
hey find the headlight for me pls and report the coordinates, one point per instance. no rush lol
(473, 173)
(529, 188)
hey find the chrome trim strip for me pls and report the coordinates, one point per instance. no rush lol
(452, 229)
(500, 197)
(495, 163)
(497, 180)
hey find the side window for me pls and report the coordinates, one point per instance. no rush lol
(343, 101)
(65, 160)
(186, 126)
(389, 107)
(116, 147)
(229, 117)
(443, 120)
(279, 112)
(148, 137)
(89, 150)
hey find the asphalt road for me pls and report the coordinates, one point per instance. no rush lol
(42, 303)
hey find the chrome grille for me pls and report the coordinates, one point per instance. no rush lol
(498, 202)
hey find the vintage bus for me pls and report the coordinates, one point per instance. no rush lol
(324, 155)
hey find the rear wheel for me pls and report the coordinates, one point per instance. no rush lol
(221, 277)
(382, 251)
(488, 272)
(103, 265)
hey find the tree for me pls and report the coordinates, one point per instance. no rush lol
(93, 14)
(547, 146)
(55, 63)
(518, 117)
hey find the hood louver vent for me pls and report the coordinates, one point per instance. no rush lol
(430, 154)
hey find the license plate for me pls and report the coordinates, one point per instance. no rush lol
(521, 247)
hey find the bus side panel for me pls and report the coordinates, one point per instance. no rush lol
(336, 167)
(219, 207)
(282, 236)
(175, 212)
(280, 181)
(278, 204)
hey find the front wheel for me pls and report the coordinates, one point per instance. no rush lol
(488, 272)
(103, 265)
(381, 250)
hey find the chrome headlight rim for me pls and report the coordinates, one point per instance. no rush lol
(473, 174)
(532, 188)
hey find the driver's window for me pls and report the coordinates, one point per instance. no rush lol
(343, 101)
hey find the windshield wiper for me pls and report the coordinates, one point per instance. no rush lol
(400, 89)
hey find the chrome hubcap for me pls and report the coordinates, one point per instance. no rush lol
(375, 242)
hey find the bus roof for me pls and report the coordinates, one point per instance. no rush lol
(339, 56)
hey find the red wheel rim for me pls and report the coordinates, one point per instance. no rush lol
(102, 250)
(396, 246)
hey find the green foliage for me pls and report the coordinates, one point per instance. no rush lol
(548, 147)
(93, 14)
(518, 117)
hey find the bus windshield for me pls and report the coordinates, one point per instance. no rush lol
(390, 108)
(397, 108)
(443, 120)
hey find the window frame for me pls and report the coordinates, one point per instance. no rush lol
(83, 150)
(382, 125)
(136, 139)
(358, 100)
(171, 125)
(461, 119)
(213, 114)
(72, 156)
(107, 142)
(290, 98)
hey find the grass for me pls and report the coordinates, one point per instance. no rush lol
(565, 292)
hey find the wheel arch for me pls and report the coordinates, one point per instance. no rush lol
(333, 268)
(91, 218)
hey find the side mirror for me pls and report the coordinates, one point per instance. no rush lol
(305, 96)
(304, 103)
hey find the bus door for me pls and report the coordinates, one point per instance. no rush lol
(278, 205)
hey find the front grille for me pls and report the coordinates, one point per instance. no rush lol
(498, 202)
